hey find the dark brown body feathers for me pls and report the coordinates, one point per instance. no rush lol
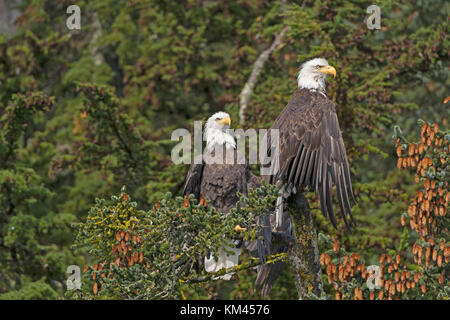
(312, 152)
(220, 183)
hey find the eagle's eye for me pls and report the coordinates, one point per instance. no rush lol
(218, 119)
(318, 67)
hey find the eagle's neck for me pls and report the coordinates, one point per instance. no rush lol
(308, 80)
(216, 136)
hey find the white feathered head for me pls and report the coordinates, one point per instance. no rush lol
(216, 130)
(313, 74)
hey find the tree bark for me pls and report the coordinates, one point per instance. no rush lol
(304, 255)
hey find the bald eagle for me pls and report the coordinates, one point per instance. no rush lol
(311, 152)
(218, 183)
(311, 156)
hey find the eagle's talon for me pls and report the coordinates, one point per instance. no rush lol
(238, 228)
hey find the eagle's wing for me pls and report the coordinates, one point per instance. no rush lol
(194, 179)
(312, 152)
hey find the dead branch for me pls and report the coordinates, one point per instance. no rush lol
(257, 68)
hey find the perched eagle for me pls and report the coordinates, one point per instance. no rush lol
(311, 154)
(218, 183)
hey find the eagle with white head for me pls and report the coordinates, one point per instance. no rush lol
(312, 156)
(218, 182)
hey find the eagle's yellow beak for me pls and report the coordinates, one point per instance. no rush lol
(226, 120)
(328, 70)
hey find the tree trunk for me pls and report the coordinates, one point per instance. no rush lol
(304, 254)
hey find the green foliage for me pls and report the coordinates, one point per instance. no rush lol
(37, 290)
(28, 226)
(84, 112)
(158, 253)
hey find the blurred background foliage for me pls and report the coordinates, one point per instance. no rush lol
(84, 112)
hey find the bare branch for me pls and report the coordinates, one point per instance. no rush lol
(257, 68)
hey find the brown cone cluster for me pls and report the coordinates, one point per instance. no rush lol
(432, 200)
(125, 252)
(429, 206)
